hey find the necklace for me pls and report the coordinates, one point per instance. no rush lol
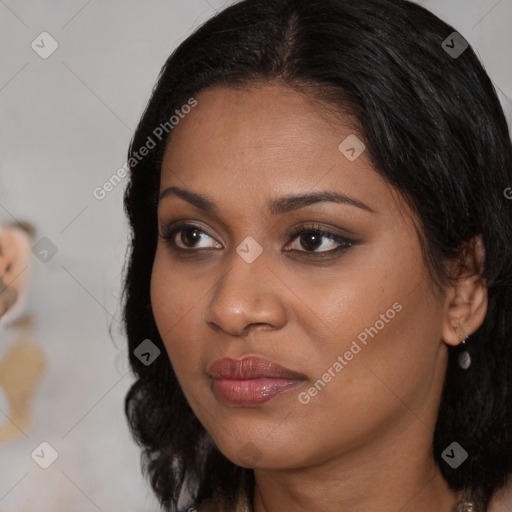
(465, 504)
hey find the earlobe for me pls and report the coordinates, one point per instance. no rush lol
(467, 299)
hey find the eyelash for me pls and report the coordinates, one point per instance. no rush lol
(169, 233)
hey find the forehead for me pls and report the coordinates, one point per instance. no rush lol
(260, 117)
(264, 141)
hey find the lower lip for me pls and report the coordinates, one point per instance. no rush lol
(249, 392)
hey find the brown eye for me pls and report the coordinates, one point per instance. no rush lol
(189, 237)
(312, 239)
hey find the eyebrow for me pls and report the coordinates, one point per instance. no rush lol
(277, 206)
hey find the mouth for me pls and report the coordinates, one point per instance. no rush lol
(251, 381)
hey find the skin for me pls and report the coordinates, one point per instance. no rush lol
(14, 260)
(363, 442)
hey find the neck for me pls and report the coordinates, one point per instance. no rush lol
(366, 479)
(427, 494)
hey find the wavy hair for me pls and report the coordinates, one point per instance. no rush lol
(434, 129)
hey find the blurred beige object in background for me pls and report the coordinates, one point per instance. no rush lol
(22, 366)
(15, 269)
(20, 372)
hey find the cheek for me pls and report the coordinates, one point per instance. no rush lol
(389, 342)
(367, 285)
(170, 297)
(176, 305)
(384, 322)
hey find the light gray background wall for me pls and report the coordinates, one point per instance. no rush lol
(65, 124)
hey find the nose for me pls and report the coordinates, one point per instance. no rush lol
(246, 296)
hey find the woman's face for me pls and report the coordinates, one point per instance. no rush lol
(359, 327)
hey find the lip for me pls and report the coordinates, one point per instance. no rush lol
(251, 381)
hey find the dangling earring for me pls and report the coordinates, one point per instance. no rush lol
(464, 358)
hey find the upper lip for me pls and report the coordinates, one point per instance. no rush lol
(250, 368)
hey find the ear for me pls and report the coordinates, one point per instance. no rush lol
(466, 300)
